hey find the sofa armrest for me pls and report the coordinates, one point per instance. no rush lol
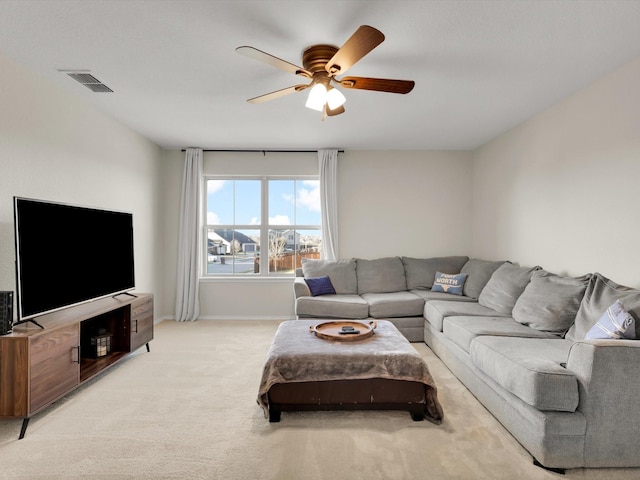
(607, 373)
(300, 288)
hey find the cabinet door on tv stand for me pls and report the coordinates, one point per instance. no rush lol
(55, 365)
(141, 322)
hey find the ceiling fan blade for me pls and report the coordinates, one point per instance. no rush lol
(335, 111)
(364, 40)
(277, 94)
(269, 59)
(378, 84)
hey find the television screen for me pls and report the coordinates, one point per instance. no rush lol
(68, 254)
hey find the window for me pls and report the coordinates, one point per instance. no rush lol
(261, 226)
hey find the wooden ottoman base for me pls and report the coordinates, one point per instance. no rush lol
(360, 394)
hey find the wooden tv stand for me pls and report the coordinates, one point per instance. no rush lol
(40, 365)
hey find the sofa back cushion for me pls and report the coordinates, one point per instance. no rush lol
(342, 273)
(420, 272)
(550, 302)
(381, 275)
(601, 294)
(479, 272)
(505, 286)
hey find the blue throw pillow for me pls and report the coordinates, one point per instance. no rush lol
(614, 323)
(320, 286)
(447, 283)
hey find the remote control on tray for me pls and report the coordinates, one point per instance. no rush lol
(348, 330)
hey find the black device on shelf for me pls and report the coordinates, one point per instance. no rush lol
(6, 312)
(69, 254)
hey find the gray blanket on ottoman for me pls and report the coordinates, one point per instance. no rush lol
(297, 355)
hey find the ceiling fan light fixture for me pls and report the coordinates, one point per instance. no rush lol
(335, 98)
(317, 97)
(322, 62)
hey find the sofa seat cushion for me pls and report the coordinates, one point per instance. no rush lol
(408, 322)
(381, 275)
(394, 304)
(332, 306)
(462, 330)
(429, 295)
(437, 310)
(529, 368)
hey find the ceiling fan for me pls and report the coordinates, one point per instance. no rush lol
(322, 63)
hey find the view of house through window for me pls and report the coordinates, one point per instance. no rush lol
(262, 225)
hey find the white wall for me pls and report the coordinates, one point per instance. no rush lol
(391, 203)
(54, 147)
(404, 203)
(561, 190)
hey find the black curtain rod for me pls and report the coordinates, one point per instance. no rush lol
(262, 151)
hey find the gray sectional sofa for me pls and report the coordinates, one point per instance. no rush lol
(516, 337)
(390, 288)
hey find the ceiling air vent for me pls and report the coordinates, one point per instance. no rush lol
(89, 81)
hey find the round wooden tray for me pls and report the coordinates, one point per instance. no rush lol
(331, 330)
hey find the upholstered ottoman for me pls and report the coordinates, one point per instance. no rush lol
(382, 372)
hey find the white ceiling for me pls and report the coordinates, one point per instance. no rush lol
(480, 67)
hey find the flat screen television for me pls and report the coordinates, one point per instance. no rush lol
(68, 254)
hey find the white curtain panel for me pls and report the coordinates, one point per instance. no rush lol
(187, 301)
(328, 159)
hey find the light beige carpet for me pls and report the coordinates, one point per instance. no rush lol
(188, 410)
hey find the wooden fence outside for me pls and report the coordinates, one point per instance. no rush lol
(287, 262)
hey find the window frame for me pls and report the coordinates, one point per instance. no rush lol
(264, 226)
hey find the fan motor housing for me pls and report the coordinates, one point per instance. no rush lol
(316, 57)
